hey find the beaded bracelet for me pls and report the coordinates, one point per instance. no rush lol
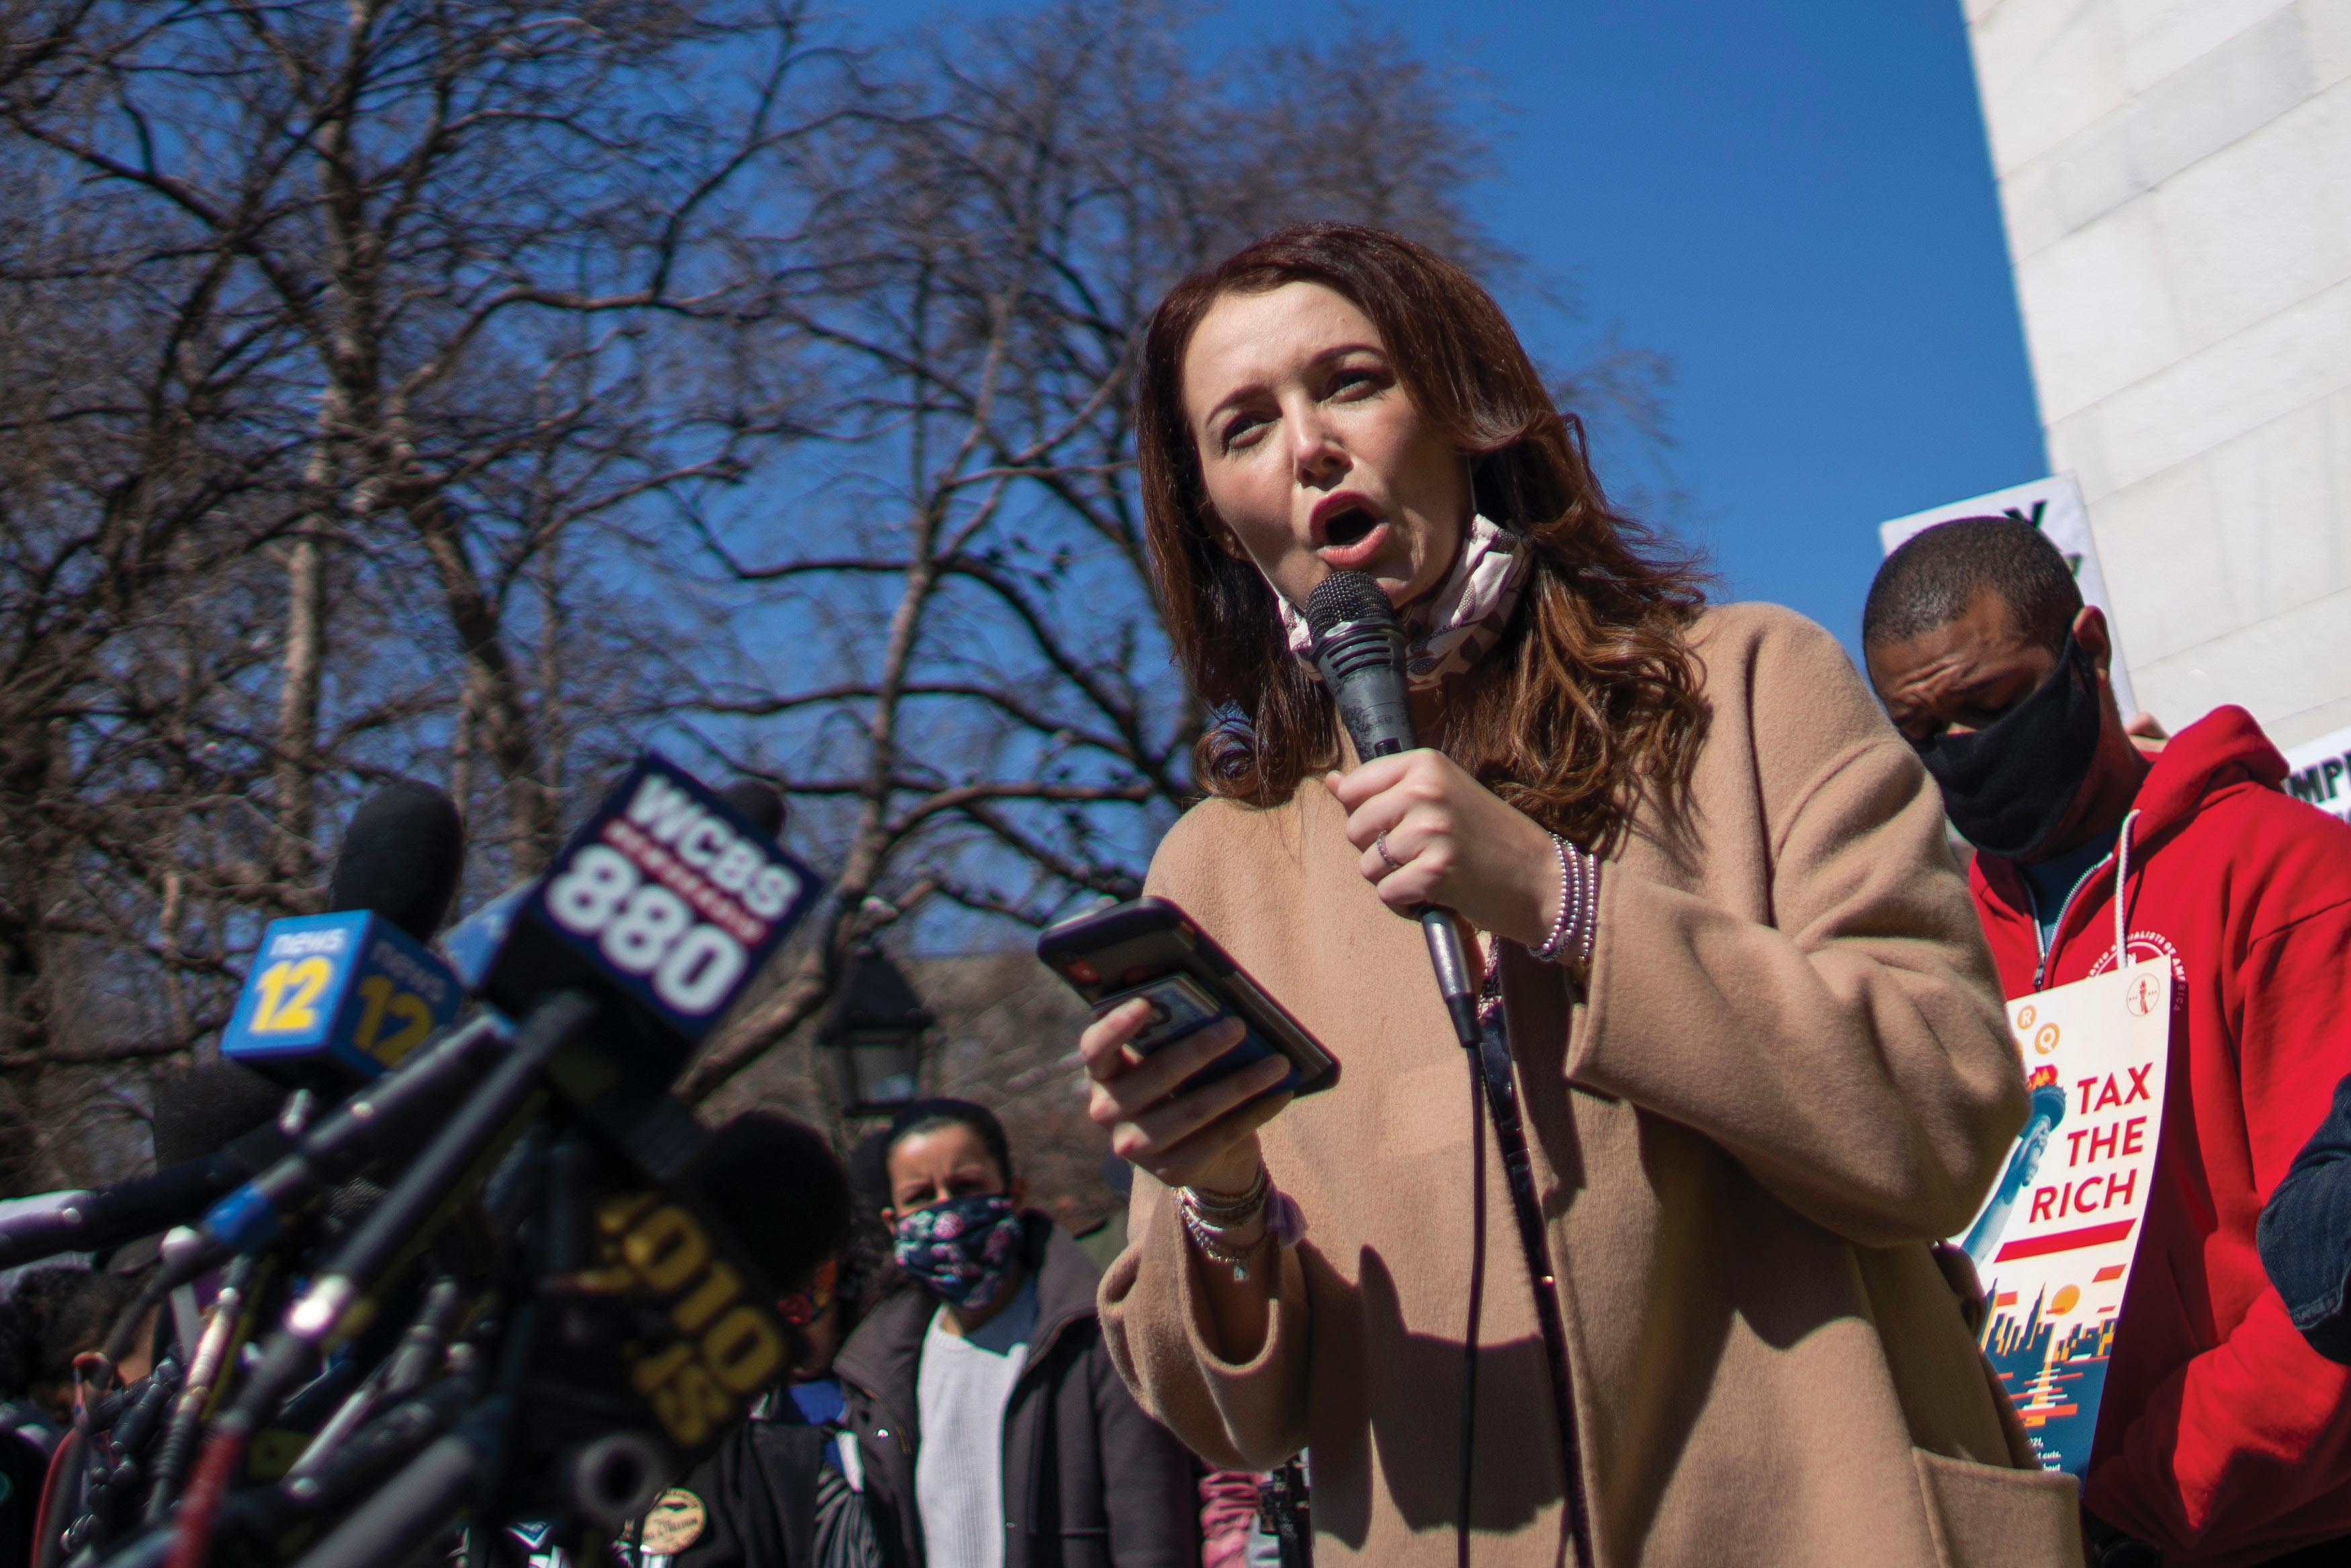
(1209, 1239)
(1573, 932)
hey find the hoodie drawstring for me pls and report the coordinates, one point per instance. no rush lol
(2122, 889)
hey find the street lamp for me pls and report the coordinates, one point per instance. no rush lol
(873, 1027)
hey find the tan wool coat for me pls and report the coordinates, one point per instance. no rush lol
(1791, 1075)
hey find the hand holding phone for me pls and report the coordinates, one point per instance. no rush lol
(1187, 1054)
(1203, 1135)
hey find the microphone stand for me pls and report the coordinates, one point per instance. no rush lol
(426, 1498)
(341, 1296)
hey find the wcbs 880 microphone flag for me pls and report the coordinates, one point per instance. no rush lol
(667, 901)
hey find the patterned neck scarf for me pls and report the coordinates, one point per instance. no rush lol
(1448, 630)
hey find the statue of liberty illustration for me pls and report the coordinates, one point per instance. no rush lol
(2048, 1110)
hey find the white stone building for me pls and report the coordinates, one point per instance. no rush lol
(2175, 177)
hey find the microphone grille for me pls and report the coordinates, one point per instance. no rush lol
(401, 857)
(1344, 596)
(776, 1185)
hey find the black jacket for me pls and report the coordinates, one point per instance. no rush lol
(2305, 1235)
(1089, 1480)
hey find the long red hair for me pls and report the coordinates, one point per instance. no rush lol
(1591, 696)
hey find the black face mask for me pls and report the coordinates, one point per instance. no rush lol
(2008, 786)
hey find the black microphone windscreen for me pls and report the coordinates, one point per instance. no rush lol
(758, 800)
(401, 857)
(1344, 596)
(775, 1184)
(205, 1108)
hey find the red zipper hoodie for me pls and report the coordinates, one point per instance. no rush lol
(2222, 1438)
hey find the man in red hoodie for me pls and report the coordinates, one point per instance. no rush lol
(2224, 1438)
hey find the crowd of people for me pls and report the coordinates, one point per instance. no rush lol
(1759, 1071)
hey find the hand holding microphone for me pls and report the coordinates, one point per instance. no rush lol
(1431, 833)
(1436, 843)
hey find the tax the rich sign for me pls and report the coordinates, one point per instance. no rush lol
(2055, 1243)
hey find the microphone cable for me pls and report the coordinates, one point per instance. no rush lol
(1359, 649)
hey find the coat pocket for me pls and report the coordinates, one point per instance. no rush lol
(1990, 1514)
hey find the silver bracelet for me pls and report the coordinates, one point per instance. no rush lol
(1212, 1244)
(1230, 1210)
(1547, 949)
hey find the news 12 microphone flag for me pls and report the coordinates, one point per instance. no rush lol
(2055, 1242)
(352, 988)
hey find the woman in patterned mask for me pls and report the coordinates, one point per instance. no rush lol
(993, 1431)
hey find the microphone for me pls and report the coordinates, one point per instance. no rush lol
(761, 803)
(212, 1108)
(663, 905)
(688, 854)
(773, 1187)
(201, 1110)
(651, 921)
(472, 945)
(632, 1321)
(1359, 646)
(401, 857)
(334, 1000)
(350, 1137)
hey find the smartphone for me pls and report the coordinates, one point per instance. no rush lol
(1148, 947)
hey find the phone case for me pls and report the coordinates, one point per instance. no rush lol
(1151, 948)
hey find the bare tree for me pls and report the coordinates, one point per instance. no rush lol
(340, 339)
(365, 361)
(139, 474)
(988, 719)
(479, 234)
(131, 471)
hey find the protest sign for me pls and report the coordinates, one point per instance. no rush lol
(2054, 1245)
(2053, 505)
(2319, 772)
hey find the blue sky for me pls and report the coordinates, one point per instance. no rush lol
(1793, 204)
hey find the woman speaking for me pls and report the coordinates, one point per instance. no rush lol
(1760, 1056)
